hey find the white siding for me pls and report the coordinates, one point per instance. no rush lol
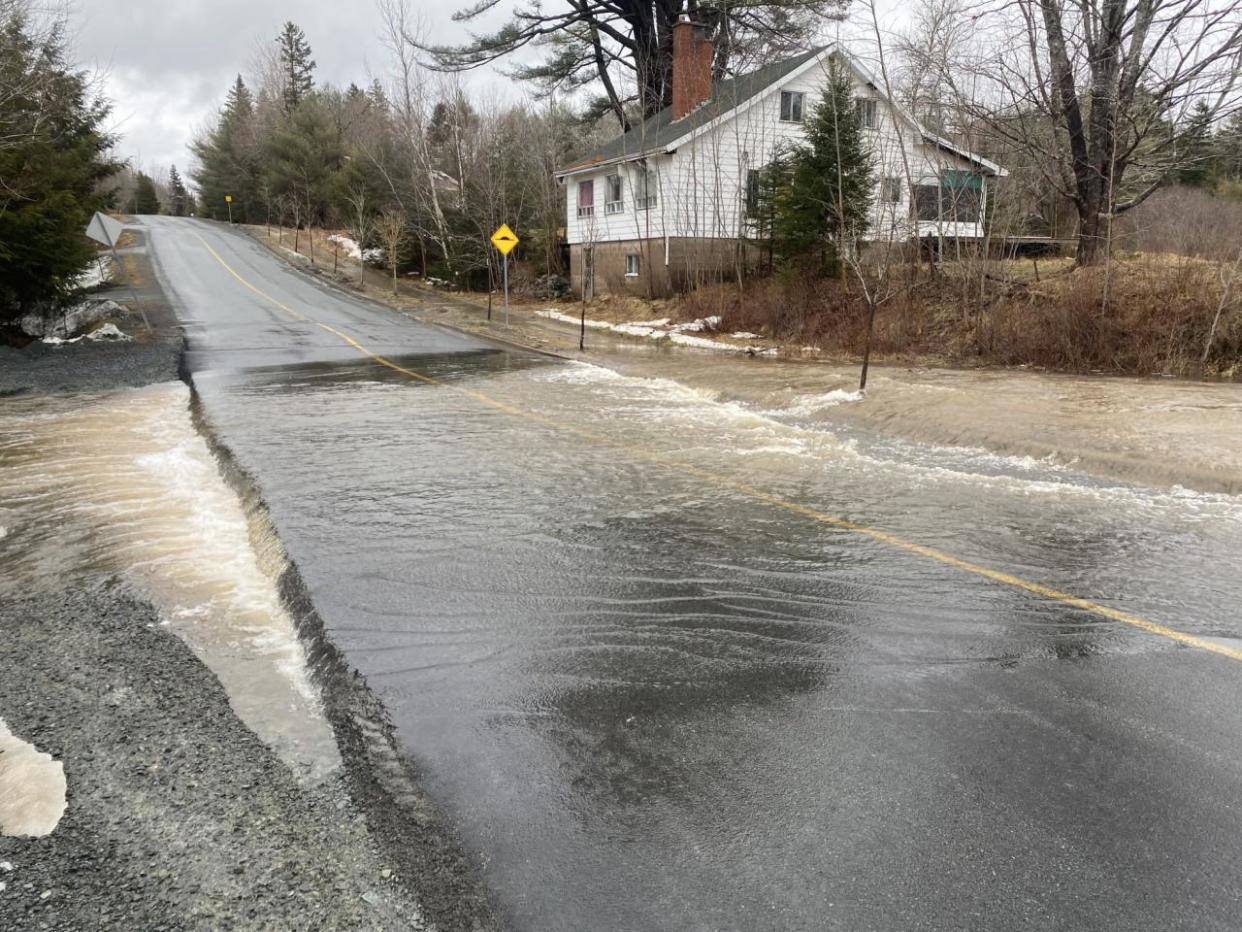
(702, 183)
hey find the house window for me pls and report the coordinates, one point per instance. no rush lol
(890, 190)
(646, 184)
(868, 113)
(586, 198)
(631, 265)
(927, 202)
(961, 196)
(958, 198)
(612, 195)
(753, 181)
(791, 106)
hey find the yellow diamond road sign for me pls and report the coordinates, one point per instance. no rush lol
(228, 198)
(504, 239)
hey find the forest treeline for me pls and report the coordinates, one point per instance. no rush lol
(291, 151)
(54, 159)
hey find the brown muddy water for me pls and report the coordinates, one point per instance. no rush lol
(650, 702)
(120, 484)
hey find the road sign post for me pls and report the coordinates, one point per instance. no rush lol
(228, 199)
(504, 240)
(103, 229)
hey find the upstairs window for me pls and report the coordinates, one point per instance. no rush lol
(586, 198)
(646, 185)
(791, 106)
(612, 195)
(868, 112)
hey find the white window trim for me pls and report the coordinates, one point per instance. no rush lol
(617, 206)
(589, 209)
(801, 107)
(650, 199)
(873, 104)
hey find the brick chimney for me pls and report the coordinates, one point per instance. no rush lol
(692, 66)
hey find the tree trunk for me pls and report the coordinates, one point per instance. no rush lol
(1093, 234)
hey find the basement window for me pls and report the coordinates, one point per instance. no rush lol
(631, 265)
(791, 106)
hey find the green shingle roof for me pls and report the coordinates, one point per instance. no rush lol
(659, 131)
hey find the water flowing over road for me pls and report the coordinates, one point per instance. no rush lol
(647, 657)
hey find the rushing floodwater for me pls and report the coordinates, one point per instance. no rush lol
(121, 484)
(653, 702)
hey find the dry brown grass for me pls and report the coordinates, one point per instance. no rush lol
(1144, 314)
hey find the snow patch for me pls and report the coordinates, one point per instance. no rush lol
(98, 273)
(679, 334)
(32, 789)
(355, 251)
(109, 333)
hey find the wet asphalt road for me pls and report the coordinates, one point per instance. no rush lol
(650, 700)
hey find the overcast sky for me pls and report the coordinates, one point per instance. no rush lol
(168, 63)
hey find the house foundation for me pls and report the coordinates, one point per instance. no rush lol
(657, 267)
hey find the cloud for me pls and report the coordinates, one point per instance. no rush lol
(167, 64)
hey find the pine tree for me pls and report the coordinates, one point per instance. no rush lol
(53, 157)
(297, 66)
(228, 160)
(1194, 148)
(822, 206)
(177, 193)
(1227, 148)
(146, 200)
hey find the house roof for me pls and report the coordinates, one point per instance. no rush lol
(660, 131)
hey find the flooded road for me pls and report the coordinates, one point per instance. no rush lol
(653, 690)
(120, 485)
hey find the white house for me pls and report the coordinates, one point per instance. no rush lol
(666, 204)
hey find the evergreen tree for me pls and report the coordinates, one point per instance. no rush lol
(53, 156)
(823, 202)
(302, 158)
(296, 64)
(1227, 148)
(1194, 149)
(177, 193)
(228, 160)
(146, 200)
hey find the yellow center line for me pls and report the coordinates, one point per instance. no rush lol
(771, 498)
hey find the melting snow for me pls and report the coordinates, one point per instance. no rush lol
(32, 789)
(660, 330)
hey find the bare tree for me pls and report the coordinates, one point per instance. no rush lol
(392, 233)
(1089, 90)
(361, 222)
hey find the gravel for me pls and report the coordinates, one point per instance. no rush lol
(178, 816)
